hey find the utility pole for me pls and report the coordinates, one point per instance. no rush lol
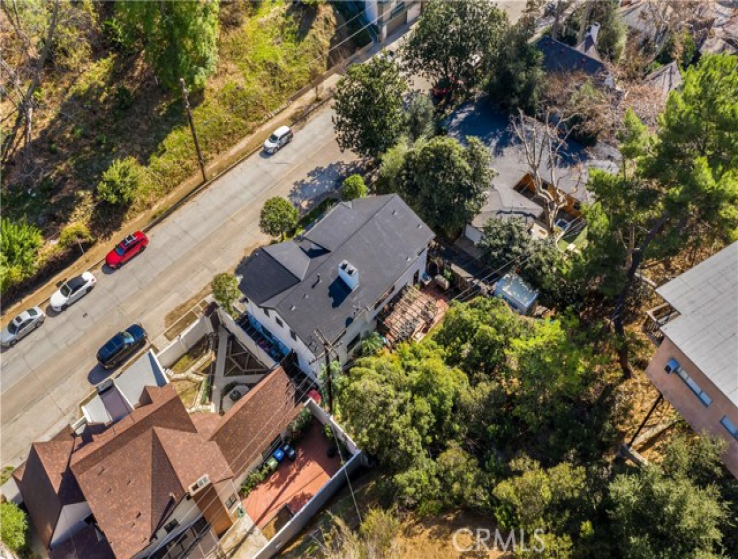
(328, 348)
(192, 128)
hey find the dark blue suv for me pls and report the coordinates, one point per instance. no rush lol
(121, 346)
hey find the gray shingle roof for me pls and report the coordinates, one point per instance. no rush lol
(666, 78)
(484, 121)
(560, 57)
(707, 329)
(381, 236)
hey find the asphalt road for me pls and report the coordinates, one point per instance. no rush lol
(49, 372)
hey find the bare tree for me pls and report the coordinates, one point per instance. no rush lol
(23, 80)
(543, 145)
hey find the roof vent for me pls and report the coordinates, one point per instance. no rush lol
(349, 274)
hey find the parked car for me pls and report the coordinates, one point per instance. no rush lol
(121, 346)
(280, 138)
(72, 291)
(126, 249)
(22, 325)
(444, 88)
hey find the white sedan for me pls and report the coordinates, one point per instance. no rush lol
(72, 291)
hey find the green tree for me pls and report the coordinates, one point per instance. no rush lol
(517, 78)
(455, 41)
(353, 187)
(445, 182)
(369, 115)
(19, 246)
(553, 499)
(475, 335)
(682, 184)
(226, 291)
(655, 515)
(397, 404)
(551, 372)
(278, 217)
(505, 243)
(462, 482)
(180, 39)
(420, 116)
(120, 182)
(13, 526)
(390, 171)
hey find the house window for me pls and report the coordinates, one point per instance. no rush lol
(675, 367)
(279, 321)
(293, 335)
(398, 9)
(171, 526)
(231, 501)
(730, 426)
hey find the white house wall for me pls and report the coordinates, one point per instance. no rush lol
(186, 513)
(305, 357)
(472, 233)
(70, 522)
(362, 325)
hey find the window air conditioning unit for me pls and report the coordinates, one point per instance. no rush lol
(671, 366)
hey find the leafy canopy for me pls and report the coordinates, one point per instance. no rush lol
(369, 115)
(226, 291)
(516, 80)
(445, 182)
(180, 39)
(120, 182)
(13, 526)
(19, 246)
(353, 187)
(278, 217)
(455, 41)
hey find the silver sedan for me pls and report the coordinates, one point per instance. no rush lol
(22, 325)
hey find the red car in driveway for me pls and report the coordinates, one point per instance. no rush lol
(127, 249)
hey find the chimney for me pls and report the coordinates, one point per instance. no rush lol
(349, 274)
(594, 30)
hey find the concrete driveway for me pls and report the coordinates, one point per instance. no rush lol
(47, 374)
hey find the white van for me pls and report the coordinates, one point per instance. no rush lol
(280, 138)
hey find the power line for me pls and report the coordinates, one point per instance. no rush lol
(245, 446)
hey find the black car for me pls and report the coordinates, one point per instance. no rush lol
(121, 346)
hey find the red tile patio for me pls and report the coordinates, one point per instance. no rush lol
(294, 483)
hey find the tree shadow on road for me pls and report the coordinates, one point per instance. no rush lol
(320, 182)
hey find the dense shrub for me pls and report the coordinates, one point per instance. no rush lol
(75, 233)
(19, 246)
(13, 526)
(353, 187)
(120, 182)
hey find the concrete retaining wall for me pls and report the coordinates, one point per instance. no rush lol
(184, 342)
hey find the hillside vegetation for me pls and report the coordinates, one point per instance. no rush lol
(100, 101)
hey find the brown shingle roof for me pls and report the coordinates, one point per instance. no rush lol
(256, 420)
(133, 477)
(88, 543)
(47, 484)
